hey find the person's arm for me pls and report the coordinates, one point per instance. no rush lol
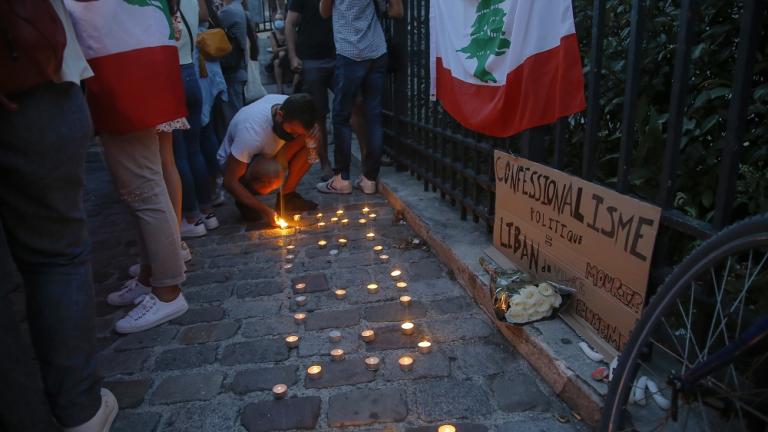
(273, 41)
(234, 170)
(395, 9)
(291, 22)
(202, 16)
(326, 6)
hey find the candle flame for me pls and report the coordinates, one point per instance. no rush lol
(281, 222)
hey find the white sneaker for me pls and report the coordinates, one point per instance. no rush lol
(151, 312)
(186, 255)
(134, 270)
(210, 221)
(335, 185)
(196, 229)
(365, 185)
(129, 292)
(102, 421)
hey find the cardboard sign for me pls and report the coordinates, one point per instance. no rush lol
(559, 227)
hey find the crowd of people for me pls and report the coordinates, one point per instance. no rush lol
(177, 127)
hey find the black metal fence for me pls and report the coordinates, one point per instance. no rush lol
(607, 144)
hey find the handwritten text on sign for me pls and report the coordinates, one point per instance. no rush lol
(598, 241)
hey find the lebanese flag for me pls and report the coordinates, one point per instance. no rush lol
(130, 46)
(502, 66)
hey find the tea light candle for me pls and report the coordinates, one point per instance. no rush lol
(340, 293)
(372, 363)
(322, 244)
(395, 274)
(370, 236)
(337, 354)
(290, 248)
(365, 210)
(378, 249)
(446, 428)
(384, 258)
(290, 257)
(362, 221)
(280, 391)
(297, 218)
(406, 363)
(288, 267)
(344, 222)
(407, 327)
(402, 285)
(339, 212)
(315, 371)
(334, 252)
(372, 217)
(301, 300)
(299, 287)
(292, 341)
(299, 317)
(368, 335)
(334, 220)
(425, 347)
(372, 288)
(334, 336)
(321, 225)
(342, 242)
(319, 216)
(405, 300)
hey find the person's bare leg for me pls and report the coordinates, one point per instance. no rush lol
(360, 126)
(170, 173)
(278, 75)
(297, 168)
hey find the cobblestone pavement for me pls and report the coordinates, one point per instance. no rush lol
(213, 369)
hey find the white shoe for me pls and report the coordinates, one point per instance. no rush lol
(186, 255)
(151, 312)
(335, 185)
(365, 185)
(102, 421)
(196, 229)
(129, 292)
(210, 221)
(134, 270)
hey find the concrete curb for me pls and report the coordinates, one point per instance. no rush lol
(530, 341)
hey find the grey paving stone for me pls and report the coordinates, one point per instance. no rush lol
(392, 337)
(363, 407)
(188, 387)
(391, 312)
(218, 251)
(452, 306)
(485, 359)
(129, 394)
(357, 260)
(349, 371)
(270, 271)
(542, 423)
(279, 325)
(240, 309)
(316, 282)
(425, 270)
(207, 278)
(506, 392)
(251, 380)
(338, 318)
(463, 427)
(451, 398)
(256, 351)
(232, 261)
(219, 414)
(122, 363)
(437, 289)
(200, 315)
(317, 343)
(209, 332)
(158, 336)
(136, 421)
(430, 365)
(286, 414)
(258, 288)
(186, 357)
(450, 329)
(209, 293)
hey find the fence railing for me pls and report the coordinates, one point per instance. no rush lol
(456, 163)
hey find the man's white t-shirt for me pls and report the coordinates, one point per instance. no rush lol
(250, 132)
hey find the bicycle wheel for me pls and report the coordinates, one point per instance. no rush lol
(710, 299)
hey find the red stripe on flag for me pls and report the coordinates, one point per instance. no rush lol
(135, 90)
(547, 86)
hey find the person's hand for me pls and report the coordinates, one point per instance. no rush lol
(7, 105)
(271, 217)
(296, 64)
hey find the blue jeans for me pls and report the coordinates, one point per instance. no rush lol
(209, 144)
(41, 212)
(195, 179)
(367, 77)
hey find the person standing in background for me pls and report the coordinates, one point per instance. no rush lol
(233, 20)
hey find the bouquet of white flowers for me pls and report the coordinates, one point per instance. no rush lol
(532, 303)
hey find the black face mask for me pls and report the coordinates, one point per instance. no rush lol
(277, 128)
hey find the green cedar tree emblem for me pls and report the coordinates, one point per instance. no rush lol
(487, 37)
(162, 5)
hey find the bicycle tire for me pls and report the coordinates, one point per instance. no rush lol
(746, 235)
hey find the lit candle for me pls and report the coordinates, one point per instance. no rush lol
(290, 257)
(281, 222)
(334, 220)
(290, 248)
(297, 218)
(402, 285)
(342, 242)
(395, 274)
(299, 317)
(321, 225)
(279, 391)
(446, 428)
(406, 363)
(372, 217)
(370, 236)
(322, 244)
(372, 288)
(340, 293)
(407, 327)
(292, 341)
(368, 335)
(334, 336)
(405, 300)
(288, 267)
(315, 371)
(378, 249)
(339, 212)
(301, 300)
(319, 216)
(366, 210)
(299, 287)
(362, 221)
(384, 258)
(425, 347)
(345, 222)
(337, 354)
(372, 363)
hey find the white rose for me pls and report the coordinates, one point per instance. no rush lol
(516, 315)
(529, 295)
(546, 289)
(556, 300)
(537, 315)
(542, 305)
